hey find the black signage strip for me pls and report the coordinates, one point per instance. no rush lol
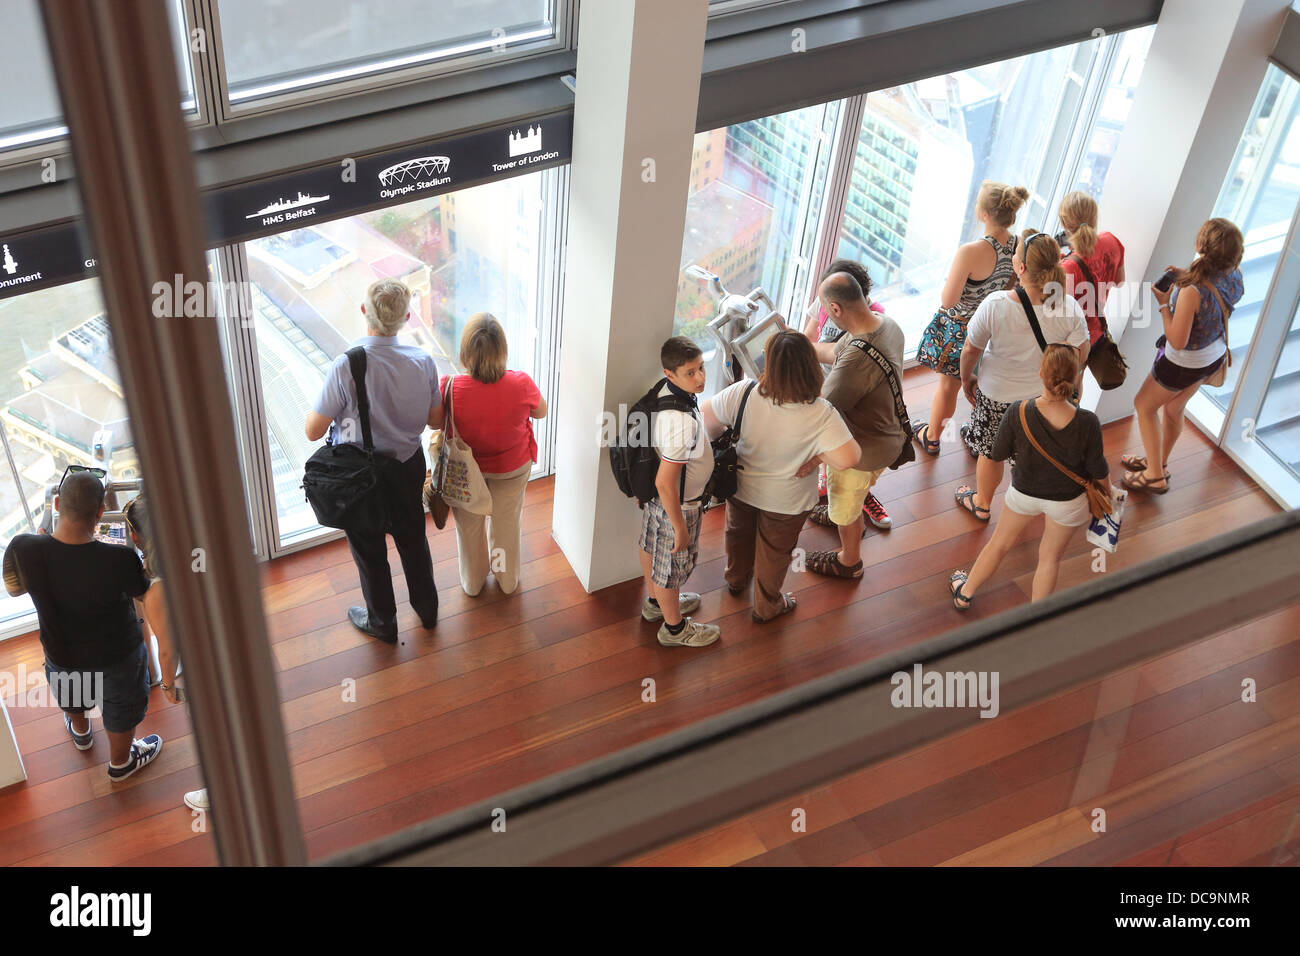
(41, 258)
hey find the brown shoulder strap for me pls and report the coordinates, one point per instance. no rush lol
(1024, 423)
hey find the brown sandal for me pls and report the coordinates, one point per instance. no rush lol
(1137, 463)
(828, 563)
(821, 515)
(1138, 481)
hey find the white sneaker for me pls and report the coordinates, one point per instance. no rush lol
(687, 601)
(198, 800)
(693, 634)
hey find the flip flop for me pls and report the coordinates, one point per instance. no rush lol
(1138, 481)
(788, 604)
(959, 599)
(927, 446)
(966, 501)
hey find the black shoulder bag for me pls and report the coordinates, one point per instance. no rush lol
(726, 459)
(908, 451)
(1104, 359)
(344, 483)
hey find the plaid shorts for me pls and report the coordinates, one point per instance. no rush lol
(985, 419)
(669, 570)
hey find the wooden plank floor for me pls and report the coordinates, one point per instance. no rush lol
(510, 689)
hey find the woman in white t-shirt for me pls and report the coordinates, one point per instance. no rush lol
(1003, 342)
(786, 425)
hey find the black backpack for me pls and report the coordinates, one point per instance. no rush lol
(726, 460)
(632, 455)
(344, 483)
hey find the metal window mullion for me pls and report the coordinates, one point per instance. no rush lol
(839, 181)
(1091, 98)
(1276, 313)
(206, 74)
(250, 408)
(554, 260)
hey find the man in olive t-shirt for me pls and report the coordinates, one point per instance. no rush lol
(859, 390)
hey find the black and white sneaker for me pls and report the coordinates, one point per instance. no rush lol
(83, 741)
(143, 753)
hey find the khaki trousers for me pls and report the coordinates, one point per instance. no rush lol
(491, 542)
(759, 544)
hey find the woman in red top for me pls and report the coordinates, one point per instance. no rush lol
(1102, 255)
(493, 409)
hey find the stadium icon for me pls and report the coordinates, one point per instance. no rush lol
(413, 170)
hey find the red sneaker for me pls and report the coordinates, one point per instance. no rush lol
(876, 513)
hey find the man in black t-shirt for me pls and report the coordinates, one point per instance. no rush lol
(95, 653)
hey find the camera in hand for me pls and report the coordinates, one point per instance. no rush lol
(1166, 281)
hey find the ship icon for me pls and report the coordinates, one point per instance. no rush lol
(281, 205)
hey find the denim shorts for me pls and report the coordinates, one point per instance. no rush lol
(120, 690)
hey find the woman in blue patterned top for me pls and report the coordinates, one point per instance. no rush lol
(1195, 345)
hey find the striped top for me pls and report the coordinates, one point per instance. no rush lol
(976, 291)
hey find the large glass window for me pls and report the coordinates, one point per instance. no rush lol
(30, 111)
(1278, 428)
(477, 250)
(273, 48)
(924, 148)
(1260, 196)
(755, 189)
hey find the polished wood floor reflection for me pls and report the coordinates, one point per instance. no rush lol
(509, 689)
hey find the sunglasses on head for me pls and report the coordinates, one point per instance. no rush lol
(99, 473)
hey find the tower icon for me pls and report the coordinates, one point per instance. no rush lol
(521, 144)
(10, 264)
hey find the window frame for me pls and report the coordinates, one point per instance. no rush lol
(56, 145)
(376, 78)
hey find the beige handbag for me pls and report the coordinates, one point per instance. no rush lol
(1220, 375)
(455, 474)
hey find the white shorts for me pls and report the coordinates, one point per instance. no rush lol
(1069, 514)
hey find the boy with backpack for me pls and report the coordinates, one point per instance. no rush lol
(671, 508)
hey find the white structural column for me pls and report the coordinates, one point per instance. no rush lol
(634, 122)
(1199, 83)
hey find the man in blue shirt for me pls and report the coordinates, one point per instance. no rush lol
(402, 384)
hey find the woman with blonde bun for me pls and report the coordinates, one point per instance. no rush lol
(979, 269)
(1069, 434)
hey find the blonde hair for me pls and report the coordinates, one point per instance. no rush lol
(387, 304)
(1042, 259)
(483, 348)
(1059, 369)
(1001, 202)
(1078, 215)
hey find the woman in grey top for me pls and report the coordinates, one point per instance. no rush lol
(1070, 435)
